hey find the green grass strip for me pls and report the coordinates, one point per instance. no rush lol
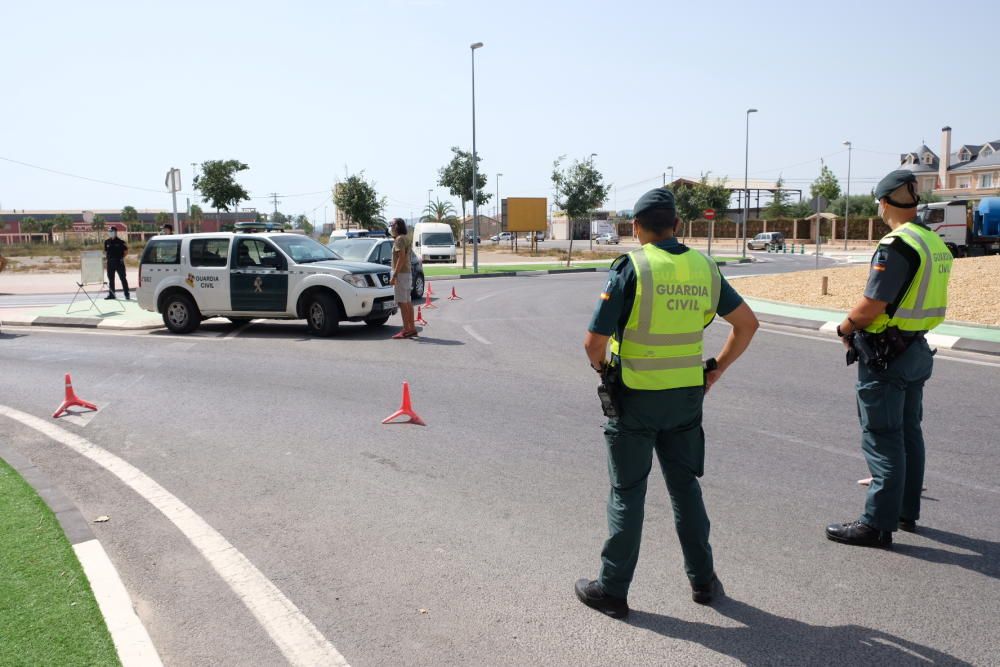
(48, 615)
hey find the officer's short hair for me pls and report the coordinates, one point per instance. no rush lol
(657, 220)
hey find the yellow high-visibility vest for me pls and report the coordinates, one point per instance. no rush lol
(926, 300)
(676, 298)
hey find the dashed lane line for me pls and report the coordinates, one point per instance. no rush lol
(472, 332)
(294, 634)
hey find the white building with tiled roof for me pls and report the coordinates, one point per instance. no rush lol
(971, 171)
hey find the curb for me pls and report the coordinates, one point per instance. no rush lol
(131, 640)
(78, 322)
(938, 340)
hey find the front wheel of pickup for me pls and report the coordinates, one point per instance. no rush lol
(322, 315)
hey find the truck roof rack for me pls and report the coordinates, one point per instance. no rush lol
(251, 227)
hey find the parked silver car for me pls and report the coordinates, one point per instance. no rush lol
(767, 241)
(607, 237)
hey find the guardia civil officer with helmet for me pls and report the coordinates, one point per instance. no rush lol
(906, 296)
(654, 309)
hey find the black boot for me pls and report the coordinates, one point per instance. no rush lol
(907, 525)
(705, 593)
(592, 595)
(859, 534)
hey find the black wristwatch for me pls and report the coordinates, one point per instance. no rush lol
(711, 364)
(839, 332)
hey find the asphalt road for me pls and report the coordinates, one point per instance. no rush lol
(486, 517)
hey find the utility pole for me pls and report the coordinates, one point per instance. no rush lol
(274, 197)
(475, 167)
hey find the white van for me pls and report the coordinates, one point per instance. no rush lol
(434, 242)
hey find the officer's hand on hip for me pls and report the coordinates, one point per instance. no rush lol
(711, 377)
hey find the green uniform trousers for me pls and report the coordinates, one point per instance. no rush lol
(668, 422)
(890, 408)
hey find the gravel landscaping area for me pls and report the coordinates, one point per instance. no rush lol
(974, 289)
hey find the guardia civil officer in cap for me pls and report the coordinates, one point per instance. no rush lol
(906, 296)
(656, 304)
(115, 251)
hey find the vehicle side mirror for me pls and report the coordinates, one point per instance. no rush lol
(416, 243)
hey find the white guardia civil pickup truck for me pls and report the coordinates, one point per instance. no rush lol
(251, 275)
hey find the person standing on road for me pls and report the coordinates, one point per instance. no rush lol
(167, 229)
(402, 276)
(654, 309)
(115, 251)
(906, 296)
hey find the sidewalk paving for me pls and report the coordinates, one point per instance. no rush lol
(129, 316)
(950, 335)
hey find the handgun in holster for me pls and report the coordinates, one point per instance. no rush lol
(868, 349)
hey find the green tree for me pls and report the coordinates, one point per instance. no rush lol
(302, 222)
(692, 200)
(579, 189)
(217, 184)
(457, 177)
(924, 198)
(195, 216)
(801, 209)
(778, 208)
(862, 206)
(62, 223)
(278, 218)
(130, 216)
(98, 225)
(443, 211)
(359, 201)
(825, 185)
(163, 218)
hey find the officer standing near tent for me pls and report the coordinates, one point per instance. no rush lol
(906, 296)
(115, 251)
(654, 309)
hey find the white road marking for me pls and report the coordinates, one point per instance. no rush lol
(294, 634)
(469, 330)
(127, 632)
(487, 296)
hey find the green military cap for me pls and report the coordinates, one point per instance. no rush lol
(897, 180)
(654, 199)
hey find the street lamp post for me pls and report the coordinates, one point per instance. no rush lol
(847, 199)
(429, 191)
(499, 206)
(475, 167)
(746, 183)
(671, 169)
(590, 220)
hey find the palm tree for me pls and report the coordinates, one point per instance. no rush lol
(442, 211)
(195, 217)
(62, 224)
(30, 226)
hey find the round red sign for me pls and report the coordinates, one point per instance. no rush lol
(709, 214)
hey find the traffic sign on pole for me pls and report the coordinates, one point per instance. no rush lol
(709, 213)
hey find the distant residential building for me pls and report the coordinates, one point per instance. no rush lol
(971, 171)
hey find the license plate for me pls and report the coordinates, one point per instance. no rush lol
(388, 305)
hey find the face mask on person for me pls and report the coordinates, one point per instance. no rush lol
(113, 233)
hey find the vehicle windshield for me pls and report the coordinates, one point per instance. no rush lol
(437, 238)
(303, 249)
(353, 249)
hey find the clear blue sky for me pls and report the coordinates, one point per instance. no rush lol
(121, 91)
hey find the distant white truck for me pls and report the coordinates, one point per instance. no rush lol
(965, 231)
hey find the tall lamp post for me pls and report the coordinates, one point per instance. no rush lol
(746, 183)
(847, 199)
(475, 167)
(590, 218)
(429, 191)
(499, 206)
(671, 169)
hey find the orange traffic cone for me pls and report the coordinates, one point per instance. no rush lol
(454, 295)
(420, 318)
(72, 400)
(406, 409)
(427, 301)
(430, 290)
